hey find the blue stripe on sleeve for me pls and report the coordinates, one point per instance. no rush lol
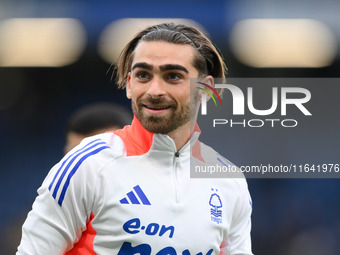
(64, 162)
(223, 163)
(75, 168)
(69, 164)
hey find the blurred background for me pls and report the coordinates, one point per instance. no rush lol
(56, 56)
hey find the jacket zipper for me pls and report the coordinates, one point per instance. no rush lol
(176, 182)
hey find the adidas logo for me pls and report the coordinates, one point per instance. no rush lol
(133, 197)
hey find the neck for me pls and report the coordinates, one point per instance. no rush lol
(182, 134)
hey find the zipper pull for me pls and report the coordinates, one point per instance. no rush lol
(177, 154)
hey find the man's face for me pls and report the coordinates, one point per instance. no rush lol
(159, 85)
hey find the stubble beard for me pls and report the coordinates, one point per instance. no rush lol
(176, 116)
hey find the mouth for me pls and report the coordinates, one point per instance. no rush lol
(156, 109)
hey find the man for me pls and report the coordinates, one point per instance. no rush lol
(94, 119)
(130, 191)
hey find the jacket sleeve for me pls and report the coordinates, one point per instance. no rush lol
(238, 241)
(63, 207)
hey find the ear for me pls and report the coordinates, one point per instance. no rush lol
(209, 80)
(128, 86)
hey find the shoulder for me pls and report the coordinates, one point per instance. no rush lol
(219, 166)
(83, 164)
(106, 145)
(94, 152)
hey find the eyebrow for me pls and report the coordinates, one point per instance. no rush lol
(173, 67)
(143, 65)
(163, 68)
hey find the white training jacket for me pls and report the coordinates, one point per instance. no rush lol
(130, 192)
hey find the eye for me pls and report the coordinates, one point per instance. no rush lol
(174, 76)
(143, 75)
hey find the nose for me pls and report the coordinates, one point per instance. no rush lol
(156, 88)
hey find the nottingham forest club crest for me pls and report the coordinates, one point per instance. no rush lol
(215, 207)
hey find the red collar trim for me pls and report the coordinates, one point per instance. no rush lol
(136, 138)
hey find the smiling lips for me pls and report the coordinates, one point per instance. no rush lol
(156, 109)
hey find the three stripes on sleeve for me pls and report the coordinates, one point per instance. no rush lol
(69, 167)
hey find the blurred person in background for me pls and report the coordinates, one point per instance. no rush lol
(94, 119)
(129, 191)
(87, 120)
